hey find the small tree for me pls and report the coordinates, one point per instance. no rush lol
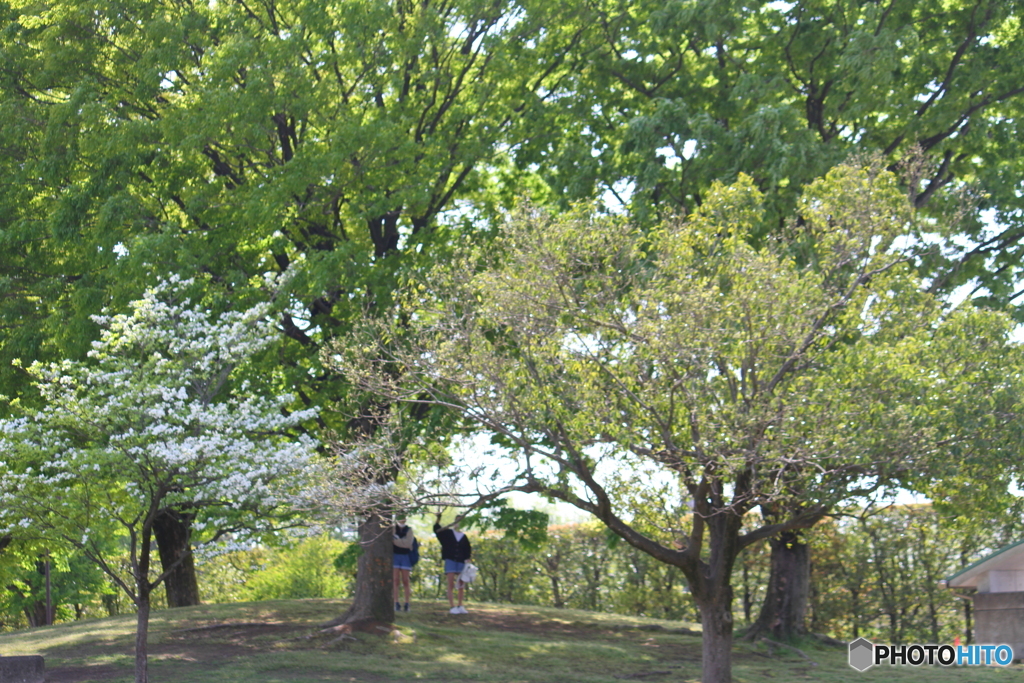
(158, 422)
(644, 376)
(74, 585)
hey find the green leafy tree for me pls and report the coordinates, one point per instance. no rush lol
(508, 572)
(683, 94)
(351, 141)
(155, 423)
(589, 570)
(75, 584)
(304, 570)
(879, 572)
(644, 376)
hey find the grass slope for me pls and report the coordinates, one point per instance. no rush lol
(280, 642)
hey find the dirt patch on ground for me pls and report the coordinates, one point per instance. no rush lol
(502, 620)
(245, 635)
(201, 643)
(377, 628)
(497, 619)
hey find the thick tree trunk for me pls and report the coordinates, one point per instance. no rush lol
(373, 599)
(785, 602)
(173, 532)
(712, 591)
(716, 627)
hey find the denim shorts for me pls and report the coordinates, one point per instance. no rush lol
(401, 561)
(453, 567)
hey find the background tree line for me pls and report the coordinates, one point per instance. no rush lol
(873, 573)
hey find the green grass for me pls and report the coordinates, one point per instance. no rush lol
(280, 642)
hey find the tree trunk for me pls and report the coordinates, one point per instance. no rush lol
(141, 637)
(716, 627)
(556, 593)
(143, 591)
(36, 612)
(712, 590)
(785, 602)
(556, 589)
(373, 599)
(855, 616)
(173, 532)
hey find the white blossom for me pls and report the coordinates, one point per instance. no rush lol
(152, 413)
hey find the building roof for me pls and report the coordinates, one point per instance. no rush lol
(1006, 558)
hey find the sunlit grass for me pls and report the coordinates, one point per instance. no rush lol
(280, 642)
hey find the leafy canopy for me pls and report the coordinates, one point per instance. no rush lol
(680, 94)
(671, 381)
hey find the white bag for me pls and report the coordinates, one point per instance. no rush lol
(468, 573)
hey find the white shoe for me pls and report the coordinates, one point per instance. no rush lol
(462, 610)
(455, 610)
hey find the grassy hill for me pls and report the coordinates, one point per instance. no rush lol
(280, 642)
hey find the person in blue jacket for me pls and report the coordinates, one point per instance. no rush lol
(455, 551)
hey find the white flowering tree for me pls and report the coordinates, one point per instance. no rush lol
(158, 421)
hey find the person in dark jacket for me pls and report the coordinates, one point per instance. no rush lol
(402, 564)
(455, 551)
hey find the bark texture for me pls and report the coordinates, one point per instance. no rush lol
(142, 598)
(173, 533)
(141, 638)
(716, 640)
(784, 610)
(374, 599)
